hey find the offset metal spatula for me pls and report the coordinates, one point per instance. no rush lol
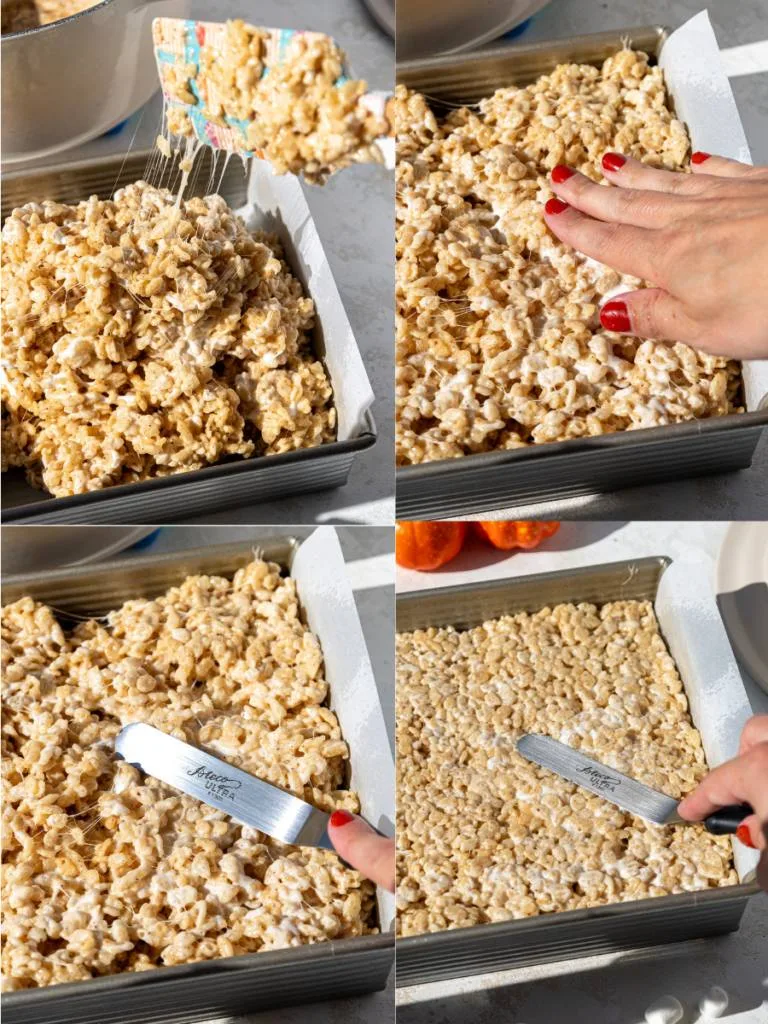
(243, 797)
(626, 793)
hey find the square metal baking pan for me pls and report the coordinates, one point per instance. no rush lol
(562, 469)
(214, 488)
(211, 988)
(481, 949)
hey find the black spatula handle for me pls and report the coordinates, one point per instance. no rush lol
(726, 820)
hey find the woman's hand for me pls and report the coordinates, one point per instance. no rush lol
(362, 847)
(744, 780)
(700, 238)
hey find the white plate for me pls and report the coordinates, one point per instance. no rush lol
(742, 588)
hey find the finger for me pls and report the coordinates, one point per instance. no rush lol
(642, 207)
(751, 834)
(755, 731)
(361, 846)
(649, 313)
(626, 172)
(720, 166)
(628, 249)
(739, 781)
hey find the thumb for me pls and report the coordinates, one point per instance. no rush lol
(650, 313)
(361, 846)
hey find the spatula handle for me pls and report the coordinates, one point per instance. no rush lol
(726, 820)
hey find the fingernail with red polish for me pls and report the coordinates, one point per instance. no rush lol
(742, 834)
(614, 316)
(555, 205)
(561, 173)
(699, 157)
(339, 818)
(613, 161)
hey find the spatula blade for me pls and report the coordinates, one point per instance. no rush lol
(626, 793)
(249, 800)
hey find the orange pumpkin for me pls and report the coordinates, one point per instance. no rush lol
(516, 533)
(426, 546)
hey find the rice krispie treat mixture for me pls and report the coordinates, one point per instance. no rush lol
(106, 870)
(499, 344)
(485, 835)
(304, 115)
(20, 15)
(146, 335)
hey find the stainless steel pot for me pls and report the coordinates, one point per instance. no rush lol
(428, 27)
(73, 80)
(37, 548)
(383, 13)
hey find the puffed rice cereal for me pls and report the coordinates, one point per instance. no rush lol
(146, 335)
(106, 870)
(303, 114)
(499, 344)
(485, 835)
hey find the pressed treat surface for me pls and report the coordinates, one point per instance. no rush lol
(106, 870)
(499, 344)
(485, 835)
